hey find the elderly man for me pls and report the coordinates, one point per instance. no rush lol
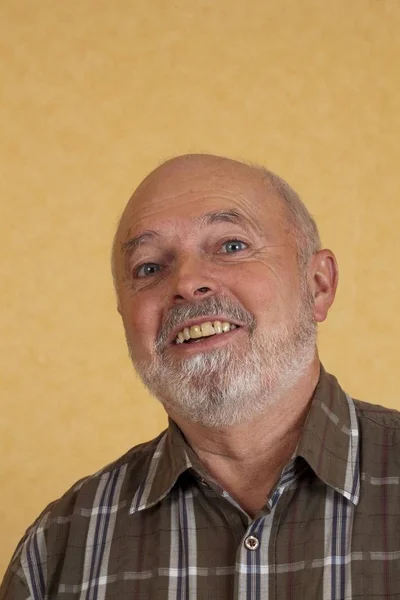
(270, 482)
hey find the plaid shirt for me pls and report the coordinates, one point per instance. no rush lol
(152, 525)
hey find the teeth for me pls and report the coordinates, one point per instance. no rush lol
(217, 326)
(207, 329)
(195, 332)
(204, 330)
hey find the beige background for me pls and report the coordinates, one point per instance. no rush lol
(94, 94)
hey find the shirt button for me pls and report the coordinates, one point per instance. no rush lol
(251, 542)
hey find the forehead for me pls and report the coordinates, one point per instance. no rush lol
(185, 195)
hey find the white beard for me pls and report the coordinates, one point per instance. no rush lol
(232, 385)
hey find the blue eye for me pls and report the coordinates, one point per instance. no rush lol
(233, 246)
(148, 269)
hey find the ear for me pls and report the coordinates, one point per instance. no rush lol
(323, 280)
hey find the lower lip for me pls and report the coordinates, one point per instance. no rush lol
(208, 343)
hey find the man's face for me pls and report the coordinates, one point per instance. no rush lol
(206, 247)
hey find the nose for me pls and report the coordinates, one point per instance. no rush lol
(193, 281)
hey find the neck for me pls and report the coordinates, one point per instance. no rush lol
(247, 459)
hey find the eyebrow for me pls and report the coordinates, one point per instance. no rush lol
(224, 216)
(216, 216)
(133, 243)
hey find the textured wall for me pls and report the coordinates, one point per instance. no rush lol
(94, 94)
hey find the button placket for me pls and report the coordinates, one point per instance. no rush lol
(253, 558)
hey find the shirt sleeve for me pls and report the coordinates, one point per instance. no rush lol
(13, 587)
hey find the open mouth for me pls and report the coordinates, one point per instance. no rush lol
(196, 333)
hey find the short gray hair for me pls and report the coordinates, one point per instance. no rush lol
(304, 226)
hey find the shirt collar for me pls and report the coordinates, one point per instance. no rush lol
(170, 459)
(329, 443)
(330, 438)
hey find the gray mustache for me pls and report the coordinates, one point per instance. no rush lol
(208, 306)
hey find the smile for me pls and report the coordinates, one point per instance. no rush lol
(207, 329)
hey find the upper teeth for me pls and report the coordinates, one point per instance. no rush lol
(203, 330)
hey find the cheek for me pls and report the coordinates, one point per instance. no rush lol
(268, 295)
(140, 322)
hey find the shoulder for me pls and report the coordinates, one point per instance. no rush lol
(106, 492)
(124, 474)
(379, 443)
(376, 416)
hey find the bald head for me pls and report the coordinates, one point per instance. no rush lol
(169, 176)
(204, 173)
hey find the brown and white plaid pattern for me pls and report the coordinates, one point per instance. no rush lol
(152, 525)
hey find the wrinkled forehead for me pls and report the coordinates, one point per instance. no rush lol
(177, 194)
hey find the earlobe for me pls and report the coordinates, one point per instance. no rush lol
(324, 281)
